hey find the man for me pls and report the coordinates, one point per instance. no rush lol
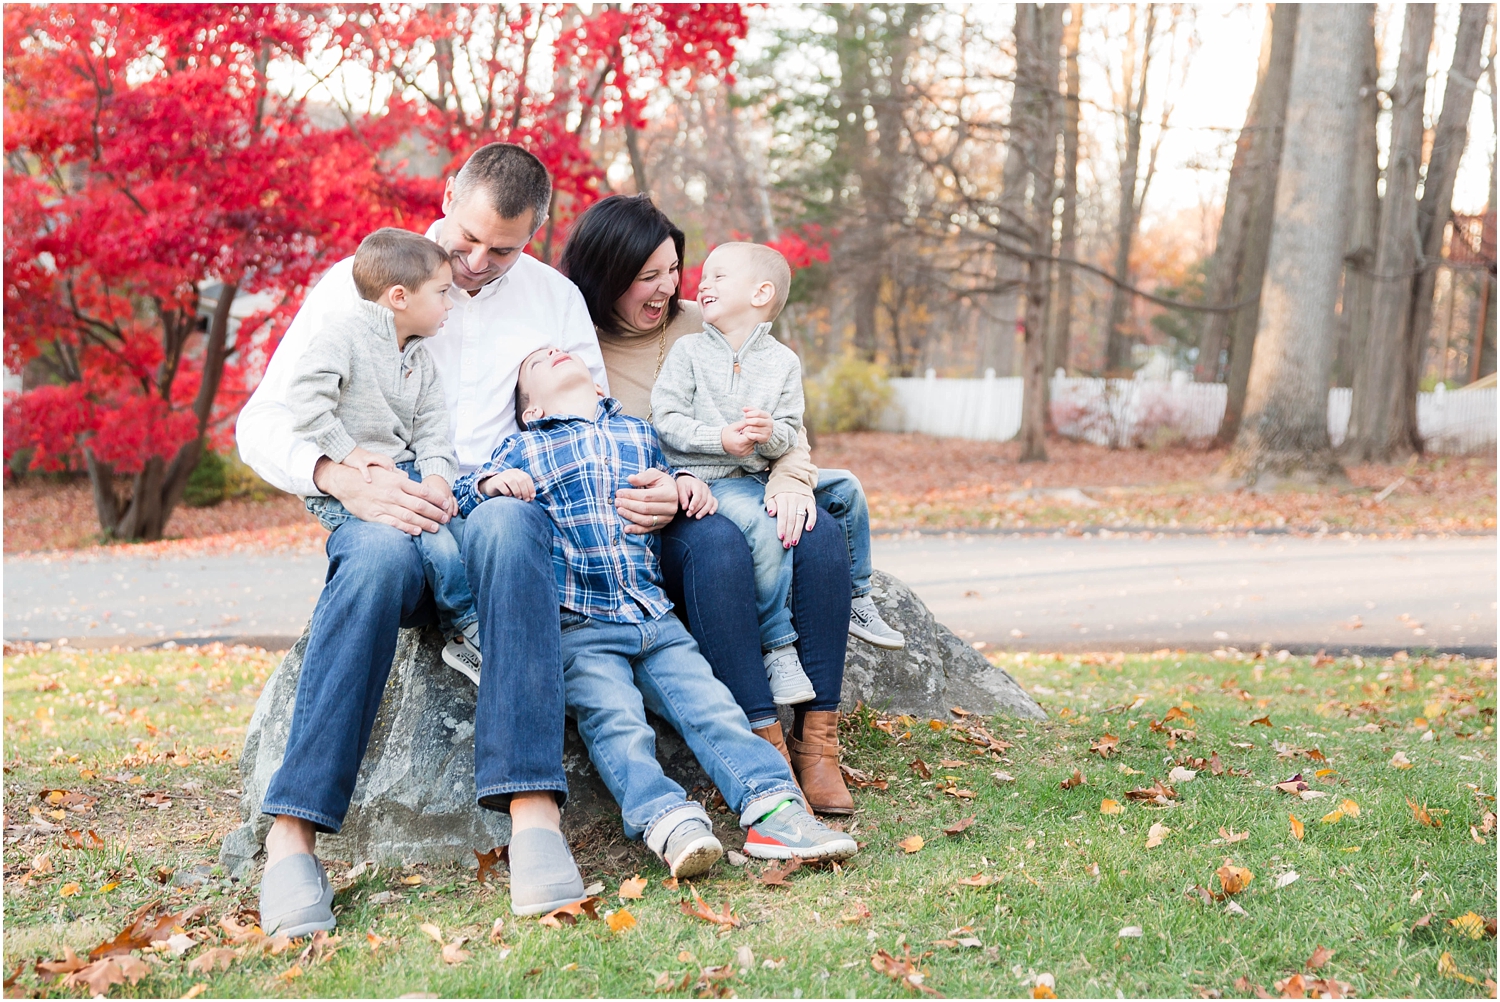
(505, 306)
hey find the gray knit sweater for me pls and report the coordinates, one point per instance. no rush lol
(353, 386)
(703, 386)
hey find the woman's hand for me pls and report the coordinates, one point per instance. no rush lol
(695, 497)
(794, 512)
(650, 505)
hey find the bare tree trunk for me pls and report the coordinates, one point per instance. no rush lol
(1448, 142)
(1364, 224)
(1229, 249)
(1062, 316)
(1040, 145)
(1117, 349)
(1285, 431)
(637, 162)
(1376, 421)
(999, 353)
(1267, 144)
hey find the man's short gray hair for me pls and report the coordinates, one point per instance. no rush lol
(512, 179)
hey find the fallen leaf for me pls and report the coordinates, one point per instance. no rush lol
(978, 880)
(433, 933)
(959, 711)
(1231, 836)
(1002, 776)
(1157, 835)
(1400, 761)
(1333, 817)
(219, 957)
(913, 843)
(699, 908)
(861, 778)
(1181, 775)
(1107, 806)
(1329, 988)
(68, 890)
(670, 883)
(904, 969)
(71, 962)
(775, 876)
(621, 920)
(148, 924)
(1233, 908)
(1320, 956)
(1421, 815)
(195, 991)
(1131, 932)
(959, 827)
(180, 943)
(1216, 764)
(1176, 713)
(1234, 879)
(936, 725)
(1092, 870)
(1074, 780)
(454, 953)
(1261, 721)
(100, 976)
(1311, 795)
(568, 914)
(1425, 922)
(857, 913)
(954, 791)
(490, 860)
(240, 933)
(1156, 792)
(1350, 808)
(1129, 771)
(1106, 746)
(413, 880)
(633, 888)
(1045, 987)
(921, 768)
(1470, 924)
(291, 973)
(952, 763)
(1294, 987)
(1287, 879)
(497, 931)
(1293, 786)
(1446, 967)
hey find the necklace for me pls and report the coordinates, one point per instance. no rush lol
(661, 354)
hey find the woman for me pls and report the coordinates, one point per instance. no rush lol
(625, 255)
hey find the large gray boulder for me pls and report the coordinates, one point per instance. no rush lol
(414, 801)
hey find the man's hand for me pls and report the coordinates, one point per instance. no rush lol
(365, 461)
(756, 425)
(390, 498)
(794, 512)
(511, 484)
(695, 498)
(437, 485)
(650, 505)
(735, 441)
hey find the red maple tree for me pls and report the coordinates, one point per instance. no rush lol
(154, 172)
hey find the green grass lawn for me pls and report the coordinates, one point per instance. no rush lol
(142, 731)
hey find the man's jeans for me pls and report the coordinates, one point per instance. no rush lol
(442, 563)
(375, 585)
(615, 672)
(742, 501)
(839, 491)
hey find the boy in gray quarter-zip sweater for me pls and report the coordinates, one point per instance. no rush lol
(367, 393)
(727, 402)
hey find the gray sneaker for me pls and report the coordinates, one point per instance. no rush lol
(866, 624)
(691, 849)
(543, 875)
(789, 683)
(462, 653)
(792, 831)
(296, 897)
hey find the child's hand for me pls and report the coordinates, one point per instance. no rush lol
(440, 489)
(756, 425)
(735, 441)
(510, 483)
(694, 497)
(363, 459)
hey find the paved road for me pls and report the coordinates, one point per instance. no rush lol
(1057, 593)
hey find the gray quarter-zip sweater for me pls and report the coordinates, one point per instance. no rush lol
(703, 386)
(354, 387)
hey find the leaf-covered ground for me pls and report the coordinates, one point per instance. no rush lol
(921, 482)
(1043, 890)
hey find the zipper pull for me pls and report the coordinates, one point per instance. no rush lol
(736, 367)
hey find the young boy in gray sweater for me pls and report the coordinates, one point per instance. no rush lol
(367, 393)
(727, 403)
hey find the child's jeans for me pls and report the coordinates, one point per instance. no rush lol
(840, 493)
(742, 501)
(441, 561)
(613, 673)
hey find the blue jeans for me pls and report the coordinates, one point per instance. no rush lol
(708, 575)
(442, 563)
(840, 493)
(375, 585)
(742, 501)
(614, 673)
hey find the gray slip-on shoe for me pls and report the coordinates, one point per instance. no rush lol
(543, 875)
(296, 897)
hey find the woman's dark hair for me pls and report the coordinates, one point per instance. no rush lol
(607, 248)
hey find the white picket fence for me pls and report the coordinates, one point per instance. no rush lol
(1128, 412)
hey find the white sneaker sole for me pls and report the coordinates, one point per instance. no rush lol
(875, 640)
(839, 849)
(698, 858)
(458, 665)
(790, 698)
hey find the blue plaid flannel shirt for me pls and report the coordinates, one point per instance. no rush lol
(578, 463)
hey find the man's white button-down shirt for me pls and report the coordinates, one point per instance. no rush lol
(478, 352)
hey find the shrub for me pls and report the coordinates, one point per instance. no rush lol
(848, 395)
(206, 484)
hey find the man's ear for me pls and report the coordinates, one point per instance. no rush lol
(532, 413)
(448, 195)
(764, 293)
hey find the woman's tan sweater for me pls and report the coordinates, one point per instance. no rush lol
(634, 359)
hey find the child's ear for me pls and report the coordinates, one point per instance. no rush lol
(764, 293)
(599, 390)
(399, 298)
(532, 413)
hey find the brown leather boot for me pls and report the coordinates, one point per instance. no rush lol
(772, 733)
(815, 760)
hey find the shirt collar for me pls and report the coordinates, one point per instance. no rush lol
(378, 315)
(764, 327)
(608, 407)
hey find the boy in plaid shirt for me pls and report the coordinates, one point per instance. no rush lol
(622, 650)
